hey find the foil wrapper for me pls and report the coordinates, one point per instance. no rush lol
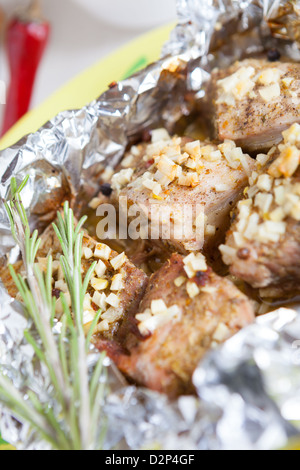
(248, 389)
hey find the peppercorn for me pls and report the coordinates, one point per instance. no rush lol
(243, 253)
(106, 189)
(273, 55)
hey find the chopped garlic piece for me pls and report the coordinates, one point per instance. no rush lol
(61, 285)
(212, 156)
(279, 195)
(58, 304)
(189, 179)
(88, 316)
(287, 81)
(107, 174)
(100, 268)
(87, 302)
(99, 299)
(220, 188)
(119, 180)
(263, 201)
(102, 326)
(275, 227)
(193, 149)
(102, 251)
(269, 76)
(195, 262)
(87, 252)
(269, 93)
(118, 261)
(43, 263)
(292, 135)
(153, 186)
(192, 289)
(277, 215)
(287, 162)
(295, 211)
(99, 284)
(221, 333)
(210, 230)
(113, 300)
(168, 168)
(158, 306)
(143, 316)
(117, 282)
(228, 253)
(179, 281)
(112, 314)
(265, 182)
(158, 135)
(262, 159)
(150, 323)
(57, 268)
(128, 160)
(236, 86)
(95, 203)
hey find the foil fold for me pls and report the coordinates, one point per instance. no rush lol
(247, 390)
(247, 396)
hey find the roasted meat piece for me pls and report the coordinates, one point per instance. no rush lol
(263, 243)
(116, 287)
(254, 101)
(186, 310)
(182, 191)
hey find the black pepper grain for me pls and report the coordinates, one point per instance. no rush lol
(56, 293)
(106, 189)
(273, 55)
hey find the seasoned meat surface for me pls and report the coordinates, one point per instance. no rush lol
(116, 287)
(263, 243)
(183, 190)
(185, 311)
(254, 101)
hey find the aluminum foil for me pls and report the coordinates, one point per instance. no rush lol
(247, 391)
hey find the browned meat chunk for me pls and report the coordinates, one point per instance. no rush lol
(184, 190)
(117, 286)
(263, 244)
(186, 310)
(255, 101)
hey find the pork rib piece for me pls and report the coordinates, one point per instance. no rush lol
(186, 310)
(254, 101)
(263, 243)
(188, 186)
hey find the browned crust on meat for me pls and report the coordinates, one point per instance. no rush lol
(275, 265)
(254, 124)
(166, 360)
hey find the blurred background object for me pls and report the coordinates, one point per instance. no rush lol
(2, 16)
(132, 14)
(26, 39)
(83, 32)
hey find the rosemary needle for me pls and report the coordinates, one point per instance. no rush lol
(74, 420)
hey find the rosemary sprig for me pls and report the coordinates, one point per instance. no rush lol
(74, 422)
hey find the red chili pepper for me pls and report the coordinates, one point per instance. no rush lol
(26, 39)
